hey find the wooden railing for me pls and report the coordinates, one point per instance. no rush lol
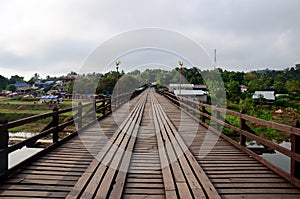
(199, 111)
(117, 101)
(84, 116)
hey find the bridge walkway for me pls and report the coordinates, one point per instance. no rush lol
(232, 172)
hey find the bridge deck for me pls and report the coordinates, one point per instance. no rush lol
(232, 173)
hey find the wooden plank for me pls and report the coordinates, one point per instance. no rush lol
(203, 179)
(32, 194)
(186, 170)
(139, 196)
(102, 176)
(121, 175)
(35, 187)
(166, 171)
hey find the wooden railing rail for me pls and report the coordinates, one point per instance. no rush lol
(84, 115)
(198, 111)
(54, 127)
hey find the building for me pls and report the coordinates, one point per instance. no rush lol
(200, 87)
(23, 88)
(244, 88)
(267, 95)
(197, 95)
(43, 84)
(64, 80)
(173, 87)
(191, 91)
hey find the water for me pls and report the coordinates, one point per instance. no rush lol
(277, 158)
(19, 155)
(22, 134)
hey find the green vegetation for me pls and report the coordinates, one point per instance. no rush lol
(285, 82)
(13, 109)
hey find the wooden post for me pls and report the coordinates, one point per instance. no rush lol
(202, 116)
(192, 110)
(295, 147)
(218, 115)
(242, 127)
(79, 115)
(102, 107)
(109, 104)
(3, 147)
(55, 125)
(94, 116)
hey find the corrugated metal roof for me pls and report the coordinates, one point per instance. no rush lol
(189, 92)
(268, 95)
(200, 86)
(182, 85)
(21, 84)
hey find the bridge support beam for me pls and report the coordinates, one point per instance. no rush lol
(3, 147)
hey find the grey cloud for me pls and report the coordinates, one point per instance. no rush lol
(247, 34)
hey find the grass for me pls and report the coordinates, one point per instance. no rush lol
(12, 109)
(265, 112)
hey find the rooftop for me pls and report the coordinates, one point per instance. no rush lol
(268, 95)
(189, 92)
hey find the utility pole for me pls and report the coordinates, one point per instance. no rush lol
(215, 58)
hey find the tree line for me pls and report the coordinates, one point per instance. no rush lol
(281, 81)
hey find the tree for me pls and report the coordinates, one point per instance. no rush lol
(279, 87)
(15, 78)
(3, 82)
(293, 87)
(69, 87)
(34, 78)
(11, 87)
(72, 73)
(250, 76)
(233, 91)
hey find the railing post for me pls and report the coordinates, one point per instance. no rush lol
(242, 127)
(102, 107)
(79, 115)
(109, 103)
(295, 147)
(218, 116)
(94, 117)
(192, 110)
(3, 147)
(202, 116)
(55, 125)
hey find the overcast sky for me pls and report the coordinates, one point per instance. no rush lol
(54, 37)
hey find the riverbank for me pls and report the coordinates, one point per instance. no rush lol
(12, 109)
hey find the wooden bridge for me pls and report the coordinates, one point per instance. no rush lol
(153, 146)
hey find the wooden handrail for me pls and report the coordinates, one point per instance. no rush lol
(53, 128)
(294, 132)
(273, 125)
